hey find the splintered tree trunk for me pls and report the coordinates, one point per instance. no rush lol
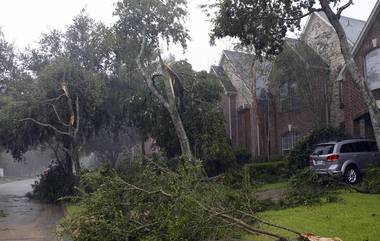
(353, 69)
(169, 101)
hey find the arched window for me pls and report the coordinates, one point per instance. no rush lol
(288, 98)
(284, 97)
(372, 67)
(288, 141)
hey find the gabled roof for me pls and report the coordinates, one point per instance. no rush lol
(242, 62)
(226, 82)
(367, 27)
(352, 27)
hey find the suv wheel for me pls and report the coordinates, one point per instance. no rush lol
(352, 175)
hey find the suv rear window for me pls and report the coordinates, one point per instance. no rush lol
(323, 150)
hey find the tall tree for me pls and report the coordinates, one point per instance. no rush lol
(144, 24)
(65, 104)
(264, 25)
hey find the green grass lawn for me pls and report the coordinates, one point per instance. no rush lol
(356, 218)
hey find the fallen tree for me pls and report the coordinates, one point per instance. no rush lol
(157, 203)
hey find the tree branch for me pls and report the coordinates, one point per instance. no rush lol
(303, 15)
(239, 223)
(57, 115)
(344, 7)
(46, 125)
(270, 224)
(53, 99)
(287, 19)
(133, 187)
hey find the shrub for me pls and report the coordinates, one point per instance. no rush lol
(306, 188)
(269, 172)
(298, 158)
(266, 172)
(226, 159)
(53, 184)
(371, 181)
(242, 156)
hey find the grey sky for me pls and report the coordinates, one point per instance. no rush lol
(23, 21)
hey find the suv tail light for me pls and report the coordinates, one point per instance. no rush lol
(332, 158)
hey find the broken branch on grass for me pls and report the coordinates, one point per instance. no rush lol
(270, 224)
(240, 223)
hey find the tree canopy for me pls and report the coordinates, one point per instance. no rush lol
(261, 24)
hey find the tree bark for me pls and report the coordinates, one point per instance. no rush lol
(353, 69)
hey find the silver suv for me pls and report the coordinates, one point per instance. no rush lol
(349, 158)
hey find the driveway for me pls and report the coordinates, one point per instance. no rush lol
(22, 219)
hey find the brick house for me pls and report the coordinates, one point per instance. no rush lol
(366, 53)
(253, 115)
(294, 122)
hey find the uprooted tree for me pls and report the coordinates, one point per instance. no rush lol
(264, 25)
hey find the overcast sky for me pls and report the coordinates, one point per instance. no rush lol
(22, 22)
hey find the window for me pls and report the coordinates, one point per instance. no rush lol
(288, 141)
(361, 146)
(341, 94)
(348, 148)
(323, 150)
(372, 67)
(284, 101)
(288, 97)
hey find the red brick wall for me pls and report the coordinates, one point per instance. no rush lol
(244, 129)
(234, 119)
(301, 123)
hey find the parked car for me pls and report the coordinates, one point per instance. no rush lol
(349, 158)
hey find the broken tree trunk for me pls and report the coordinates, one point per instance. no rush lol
(169, 102)
(71, 128)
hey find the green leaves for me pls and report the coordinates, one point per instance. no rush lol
(258, 23)
(157, 18)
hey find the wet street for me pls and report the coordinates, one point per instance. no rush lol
(22, 219)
